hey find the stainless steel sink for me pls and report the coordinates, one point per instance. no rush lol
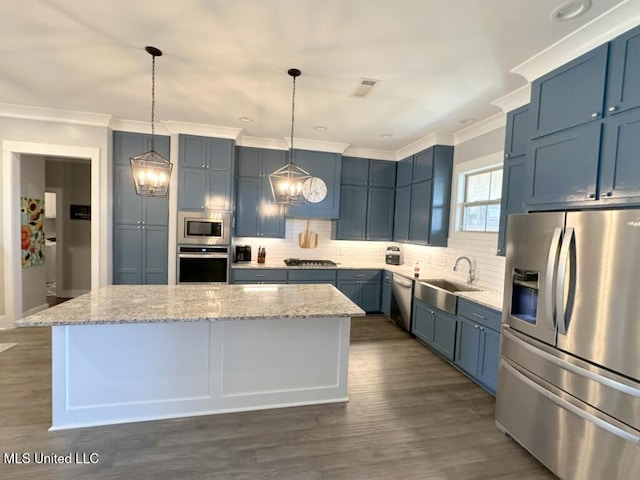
(441, 293)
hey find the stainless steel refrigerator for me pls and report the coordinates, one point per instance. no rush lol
(569, 375)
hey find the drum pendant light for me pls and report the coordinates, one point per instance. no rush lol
(287, 181)
(151, 171)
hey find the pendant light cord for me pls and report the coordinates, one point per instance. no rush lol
(293, 110)
(153, 101)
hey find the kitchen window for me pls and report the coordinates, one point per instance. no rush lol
(480, 206)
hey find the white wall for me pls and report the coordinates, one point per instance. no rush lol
(66, 138)
(74, 178)
(34, 293)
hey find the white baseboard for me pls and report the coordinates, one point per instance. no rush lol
(71, 293)
(35, 310)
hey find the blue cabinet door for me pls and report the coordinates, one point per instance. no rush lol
(563, 168)
(247, 204)
(444, 334)
(352, 224)
(488, 358)
(386, 294)
(423, 165)
(624, 73)
(382, 173)
(192, 188)
(249, 162)
(517, 133)
(422, 322)
(127, 205)
(420, 216)
(271, 220)
(193, 151)
(351, 289)
(155, 245)
(218, 196)
(514, 183)
(404, 172)
(355, 171)
(379, 214)
(620, 172)
(127, 255)
(570, 95)
(467, 346)
(328, 167)
(370, 296)
(401, 215)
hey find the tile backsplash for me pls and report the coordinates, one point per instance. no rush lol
(434, 261)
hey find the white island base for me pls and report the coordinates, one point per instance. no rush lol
(119, 373)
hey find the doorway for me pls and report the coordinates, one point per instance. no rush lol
(12, 152)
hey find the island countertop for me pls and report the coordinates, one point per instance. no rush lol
(118, 304)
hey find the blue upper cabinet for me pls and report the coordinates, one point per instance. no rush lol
(367, 200)
(404, 175)
(422, 205)
(571, 95)
(205, 174)
(326, 166)
(256, 213)
(515, 170)
(624, 73)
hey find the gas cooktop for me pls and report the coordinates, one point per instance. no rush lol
(299, 262)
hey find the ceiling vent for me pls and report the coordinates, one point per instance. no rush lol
(364, 87)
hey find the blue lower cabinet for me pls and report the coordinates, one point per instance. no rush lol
(140, 254)
(386, 293)
(362, 287)
(313, 276)
(258, 275)
(435, 328)
(478, 343)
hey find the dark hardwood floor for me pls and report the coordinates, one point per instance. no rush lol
(410, 416)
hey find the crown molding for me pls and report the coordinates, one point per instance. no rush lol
(316, 145)
(424, 143)
(370, 153)
(177, 127)
(607, 26)
(54, 115)
(515, 99)
(484, 126)
(136, 126)
(261, 142)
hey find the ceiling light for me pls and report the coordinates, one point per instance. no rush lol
(246, 119)
(386, 135)
(286, 182)
(151, 171)
(320, 128)
(364, 87)
(570, 10)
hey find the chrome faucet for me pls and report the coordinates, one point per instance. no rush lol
(472, 271)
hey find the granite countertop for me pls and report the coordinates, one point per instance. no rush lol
(485, 297)
(118, 304)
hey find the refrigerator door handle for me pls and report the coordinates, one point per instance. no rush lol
(561, 279)
(550, 276)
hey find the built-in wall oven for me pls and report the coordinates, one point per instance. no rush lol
(203, 264)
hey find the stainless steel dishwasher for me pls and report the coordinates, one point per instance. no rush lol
(402, 295)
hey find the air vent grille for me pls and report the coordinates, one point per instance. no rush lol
(365, 85)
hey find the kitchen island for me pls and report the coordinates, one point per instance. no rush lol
(132, 353)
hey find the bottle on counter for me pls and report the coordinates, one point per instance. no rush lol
(416, 270)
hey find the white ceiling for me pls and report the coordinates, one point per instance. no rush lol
(438, 61)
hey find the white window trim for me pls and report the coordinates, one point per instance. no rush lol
(457, 193)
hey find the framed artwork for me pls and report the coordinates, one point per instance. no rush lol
(32, 234)
(80, 212)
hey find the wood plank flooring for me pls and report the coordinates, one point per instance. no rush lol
(410, 416)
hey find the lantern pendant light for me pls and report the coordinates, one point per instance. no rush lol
(151, 171)
(287, 182)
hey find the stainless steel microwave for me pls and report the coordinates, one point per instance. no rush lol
(204, 228)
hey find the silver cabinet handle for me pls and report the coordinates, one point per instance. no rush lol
(479, 316)
(262, 275)
(595, 115)
(590, 195)
(481, 329)
(608, 194)
(612, 108)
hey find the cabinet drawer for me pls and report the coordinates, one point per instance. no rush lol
(362, 275)
(479, 314)
(259, 275)
(318, 275)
